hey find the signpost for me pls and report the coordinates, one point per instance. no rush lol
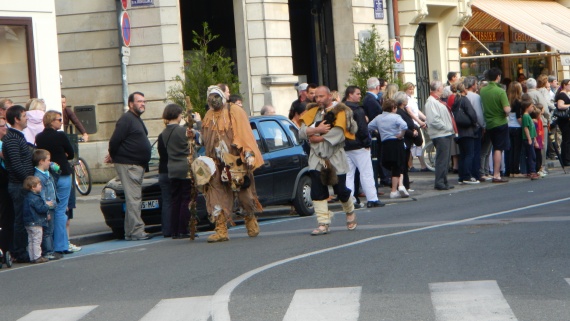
(126, 28)
(397, 52)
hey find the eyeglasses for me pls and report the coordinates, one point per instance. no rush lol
(59, 119)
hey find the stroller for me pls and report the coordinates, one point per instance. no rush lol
(5, 257)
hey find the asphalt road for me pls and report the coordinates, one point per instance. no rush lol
(495, 253)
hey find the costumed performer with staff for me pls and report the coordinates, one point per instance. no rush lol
(229, 141)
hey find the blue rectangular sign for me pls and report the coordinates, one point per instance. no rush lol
(378, 9)
(138, 3)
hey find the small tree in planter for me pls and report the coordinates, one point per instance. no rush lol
(201, 70)
(373, 60)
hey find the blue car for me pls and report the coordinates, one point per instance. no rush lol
(282, 180)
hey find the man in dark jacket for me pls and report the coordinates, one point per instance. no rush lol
(129, 150)
(358, 150)
(18, 160)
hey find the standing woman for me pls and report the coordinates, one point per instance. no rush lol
(164, 183)
(562, 99)
(401, 99)
(392, 129)
(512, 161)
(59, 146)
(467, 134)
(176, 143)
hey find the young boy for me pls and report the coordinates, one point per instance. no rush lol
(529, 134)
(42, 161)
(35, 217)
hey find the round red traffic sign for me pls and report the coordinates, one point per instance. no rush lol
(126, 28)
(124, 4)
(397, 52)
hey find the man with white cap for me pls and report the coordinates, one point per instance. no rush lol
(229, 141)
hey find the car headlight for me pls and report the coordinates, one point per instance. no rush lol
(108, 194)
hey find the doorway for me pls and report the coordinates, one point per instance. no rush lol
(312, 41)
(422, 66)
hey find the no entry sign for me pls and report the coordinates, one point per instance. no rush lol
(397, 52)
(126, 28)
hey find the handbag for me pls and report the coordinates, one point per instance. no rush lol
(462, 119)
(561, 113)
(418, 140)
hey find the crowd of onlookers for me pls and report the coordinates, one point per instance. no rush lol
(483, 130)
(36, 194)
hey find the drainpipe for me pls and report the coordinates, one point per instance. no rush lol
(124, 81)
(396, 19)
(391, 31)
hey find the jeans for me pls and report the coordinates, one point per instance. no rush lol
(20, 243)
(485, 153)
(47, 235)
(60, 237)
(164, 183)
(442, 155)
(466, 146)
(530, 156)
(477, 154)
(512, 161)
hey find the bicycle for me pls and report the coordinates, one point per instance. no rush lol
(81, 176)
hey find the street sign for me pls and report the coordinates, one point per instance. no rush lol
(379, 9)
(139, 3)
(397, 52)
(125, 51)
(126, 28)
(125, 60)
(398, 67)
(124, 4)
(565, 60)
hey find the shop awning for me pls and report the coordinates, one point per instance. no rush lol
(546, 21)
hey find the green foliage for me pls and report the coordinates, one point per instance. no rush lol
(201, 70)
(373, 60)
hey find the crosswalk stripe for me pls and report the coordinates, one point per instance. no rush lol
(470, 301)
(187, 309)
(568, 280)
(333, 304)
(63, 314)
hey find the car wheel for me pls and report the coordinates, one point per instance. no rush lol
(303, 203)
(118, 233)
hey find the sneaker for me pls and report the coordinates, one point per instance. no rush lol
(375, 204)
(460, 182)
(541, 174)
(403, 192)
(425, 170)
(40, 260)
(413, 170)
(139, 238)
(395, 195)
(471, 181)
(74, 248)
(358, 205)
(54, 256)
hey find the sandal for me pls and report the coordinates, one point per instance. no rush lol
(351, 225)
(321, 230)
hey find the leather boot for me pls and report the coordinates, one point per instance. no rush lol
(251, 225)
(221, 230)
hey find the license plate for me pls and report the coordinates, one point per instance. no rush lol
(145, 205)
(149, 205)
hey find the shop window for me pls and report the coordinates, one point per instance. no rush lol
(17, 64)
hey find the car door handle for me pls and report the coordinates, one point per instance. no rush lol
(266, 164)
(295, 159)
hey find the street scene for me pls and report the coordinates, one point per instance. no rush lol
(295, 160)
(498, 251)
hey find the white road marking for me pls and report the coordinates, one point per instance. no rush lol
(63, 314)
(334, 304)
(568, 280)
(221, 299)
(181, 309)
(470, 301)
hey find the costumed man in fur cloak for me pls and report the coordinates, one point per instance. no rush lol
(326, 126)
(229, 141)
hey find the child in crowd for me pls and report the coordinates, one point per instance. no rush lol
(35, 217)
(536, 116)
(529, 138)
(42, 161)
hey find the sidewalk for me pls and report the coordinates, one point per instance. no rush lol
(88, 225)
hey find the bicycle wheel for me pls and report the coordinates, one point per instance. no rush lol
(82, 177)
(428, 153)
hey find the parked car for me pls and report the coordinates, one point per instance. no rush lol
(282, 180)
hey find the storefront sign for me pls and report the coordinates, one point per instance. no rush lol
(517, 36)
(138, 3)
(378, 9)
(483, 36)
(565, 60)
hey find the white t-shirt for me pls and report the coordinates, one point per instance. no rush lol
(414, 108)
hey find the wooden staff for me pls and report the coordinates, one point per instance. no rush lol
(193, 191)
